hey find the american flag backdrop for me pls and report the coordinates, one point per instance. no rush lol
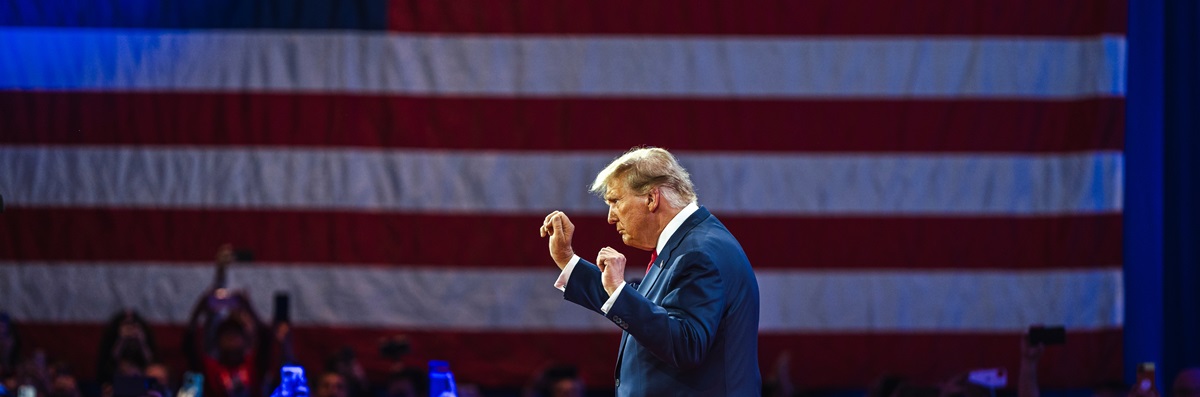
(915, 182)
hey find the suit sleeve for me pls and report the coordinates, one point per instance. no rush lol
(681, 330)
(584, 288)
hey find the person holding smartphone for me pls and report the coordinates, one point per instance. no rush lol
(225, 340)
(1033, 345)
(127, 346)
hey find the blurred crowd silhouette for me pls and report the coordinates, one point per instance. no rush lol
(231, 351)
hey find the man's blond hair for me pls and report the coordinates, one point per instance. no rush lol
(645, 168)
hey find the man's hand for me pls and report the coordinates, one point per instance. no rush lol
(1027, 383)
(1031, 353)
(225, 254)
(560, 229)
(612, 264)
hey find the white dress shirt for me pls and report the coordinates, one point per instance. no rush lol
(672, 226)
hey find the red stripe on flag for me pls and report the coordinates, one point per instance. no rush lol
(74, 234)
(497, 359)
(819, 125)
(780, 17)
(852, 360)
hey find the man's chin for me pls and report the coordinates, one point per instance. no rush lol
(630, 243)
(627, 241)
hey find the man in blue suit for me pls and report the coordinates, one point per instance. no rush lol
(691, 325)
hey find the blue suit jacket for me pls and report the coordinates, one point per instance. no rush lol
(691, 326)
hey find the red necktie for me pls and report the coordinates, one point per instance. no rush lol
(653, 257)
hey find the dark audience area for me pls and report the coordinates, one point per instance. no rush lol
(229, 350)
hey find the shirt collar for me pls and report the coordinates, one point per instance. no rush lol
(674, 225)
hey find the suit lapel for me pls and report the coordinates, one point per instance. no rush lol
(660, 266)
(652, 276)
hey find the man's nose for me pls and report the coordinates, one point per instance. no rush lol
(612, 216)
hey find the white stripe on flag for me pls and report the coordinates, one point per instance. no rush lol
(943, 300)
(537, 182)
(924, 67)
(523, 299)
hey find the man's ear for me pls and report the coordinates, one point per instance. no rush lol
(653, 200)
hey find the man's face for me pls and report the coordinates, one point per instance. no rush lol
(567, 388)
(64, 386)
(159, 373)
(332, 385)
(631, 214)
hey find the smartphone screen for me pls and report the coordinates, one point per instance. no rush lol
(243, 255)
(1047, 335)
(193, 385)
(282, 312)
(1145, 377)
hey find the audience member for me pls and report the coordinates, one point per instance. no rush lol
(1027, 375)
(161, 374)
(228, 343)
(230, 358)
(406, 382)
(62, 383)
(354, 377)
(1187, 383)
(283, 354)
(225, 340)
(556, 381)
(34, 372)
(1027, 383)
(778, 383)
(332, 384)
(126, 347)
